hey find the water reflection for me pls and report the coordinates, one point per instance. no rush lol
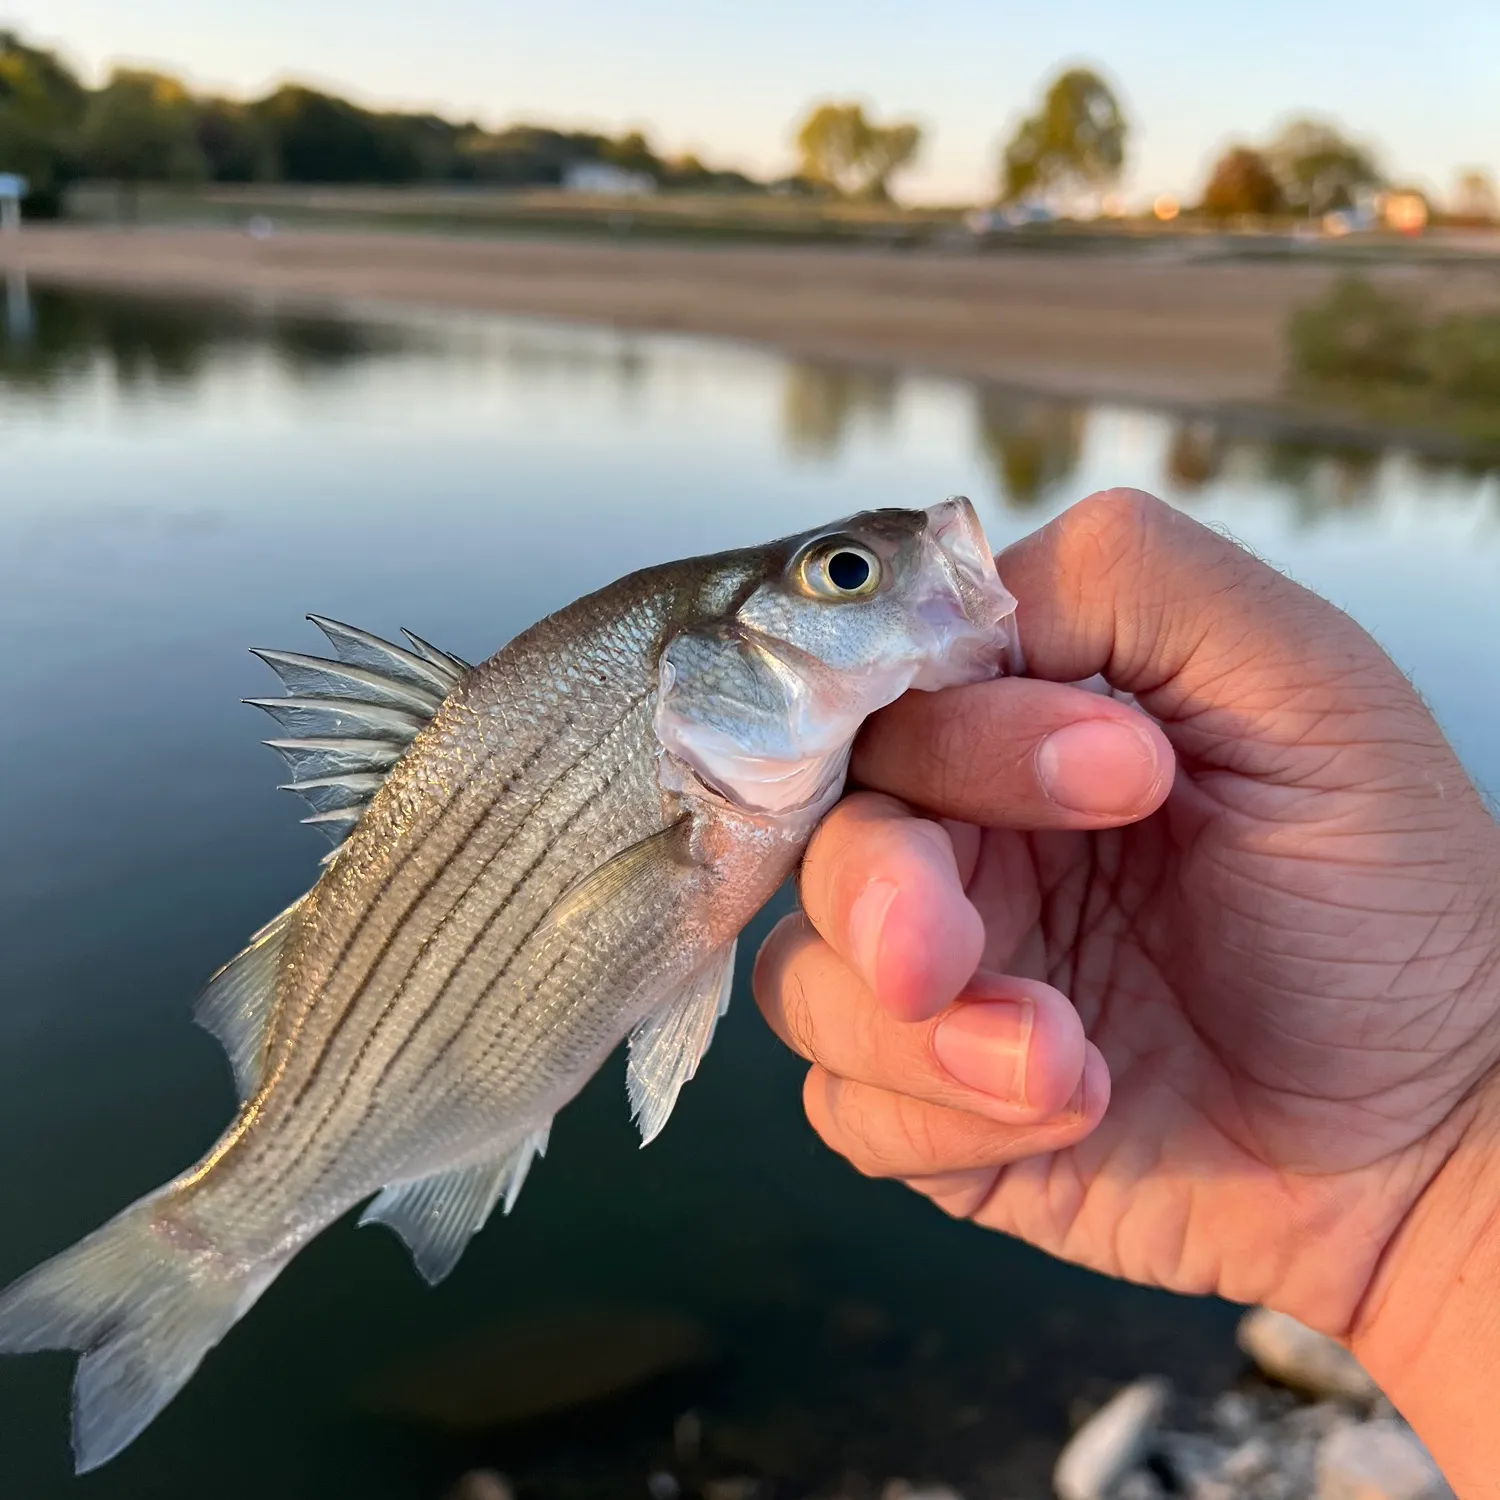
(1195, 457)
(50, 338)
(821, 403)
(1317, 477)
(1032, 445)
(18, 310)
(464, 476)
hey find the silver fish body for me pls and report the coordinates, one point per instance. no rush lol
(561, 855)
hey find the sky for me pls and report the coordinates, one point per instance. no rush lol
(1418, 79)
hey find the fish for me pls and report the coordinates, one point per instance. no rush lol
(535, 859)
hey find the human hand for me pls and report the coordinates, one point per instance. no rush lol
(1217, 1033)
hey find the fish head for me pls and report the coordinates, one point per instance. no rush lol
(761, 703)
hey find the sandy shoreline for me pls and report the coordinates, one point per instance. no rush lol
(1102, 325)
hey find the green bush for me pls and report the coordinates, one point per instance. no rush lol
(1381, 355)
(1359, 333)
(1461, 356)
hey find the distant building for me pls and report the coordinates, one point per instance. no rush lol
(607, 181)
(983, 221)
(13, 188)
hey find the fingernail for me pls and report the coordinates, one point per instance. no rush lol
(985, 1044)
(1099, 766)
(867, 923)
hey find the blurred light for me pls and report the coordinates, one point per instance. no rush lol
(1166, 208)
(1406, 213)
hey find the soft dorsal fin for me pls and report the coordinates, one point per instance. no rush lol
(236, 1005)
(348, 721)
(666, 1048)
(437, 1216)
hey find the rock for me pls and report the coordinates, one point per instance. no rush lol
(1112, 1442)
(1192, 1460)
(1380, 1460)
(1274, 1486)
(1211, 1488)
(904, 1489)
(1254, 1457)
(1235, 1414)
(1299, 1356)
(482, 1484)
(1315, 1422)
(1142, 1485)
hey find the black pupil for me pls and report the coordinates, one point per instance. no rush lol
(848, 571)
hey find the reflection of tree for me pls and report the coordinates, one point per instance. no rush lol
(1032, 444)
(159, 342)
(821, 401)
(1195, 456)
(1324, 476)
(546, 357)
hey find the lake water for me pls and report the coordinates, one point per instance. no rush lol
(180, 483)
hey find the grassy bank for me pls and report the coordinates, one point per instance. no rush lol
(737, 218)
(1391, 361)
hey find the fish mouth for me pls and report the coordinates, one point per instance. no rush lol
(976, 612)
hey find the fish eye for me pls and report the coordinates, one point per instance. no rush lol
(840, 569)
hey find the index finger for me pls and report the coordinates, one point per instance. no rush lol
(1244, 669)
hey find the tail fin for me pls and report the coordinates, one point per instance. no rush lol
(141, 1310)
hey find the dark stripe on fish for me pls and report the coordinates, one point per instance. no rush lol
(473, 945)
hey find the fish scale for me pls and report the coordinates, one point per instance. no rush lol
(537, 858)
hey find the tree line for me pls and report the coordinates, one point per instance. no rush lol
(143, 126)
(1073, 146)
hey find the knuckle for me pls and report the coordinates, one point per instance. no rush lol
(1117, 520)
(798, 1017)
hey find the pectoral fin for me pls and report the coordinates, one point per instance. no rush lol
(633, 872)
(666, 1048)
(437, 1216)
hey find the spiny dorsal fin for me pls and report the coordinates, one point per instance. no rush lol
(437, 1216)
(236, 1005)
(666, 1048)
(348, 721)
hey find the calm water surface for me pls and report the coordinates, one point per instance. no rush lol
(179, 484)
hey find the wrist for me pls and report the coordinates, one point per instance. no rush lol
(1428, 1330)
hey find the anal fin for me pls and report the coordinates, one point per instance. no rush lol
(437, 1216)
(666, 1048)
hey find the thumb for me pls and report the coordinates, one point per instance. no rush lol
(1246, 671)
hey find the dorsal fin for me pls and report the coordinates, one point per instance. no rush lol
(348, 721)
(236, 1005)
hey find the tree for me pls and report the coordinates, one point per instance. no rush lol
(1242, 183)
(1076, 139)
(840, 147)
(1032, 445)
(632, 153)
(321, 138)
(1319, 168)
(141, 127)
(235, 144)
(1476, 197)
(41, 103)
